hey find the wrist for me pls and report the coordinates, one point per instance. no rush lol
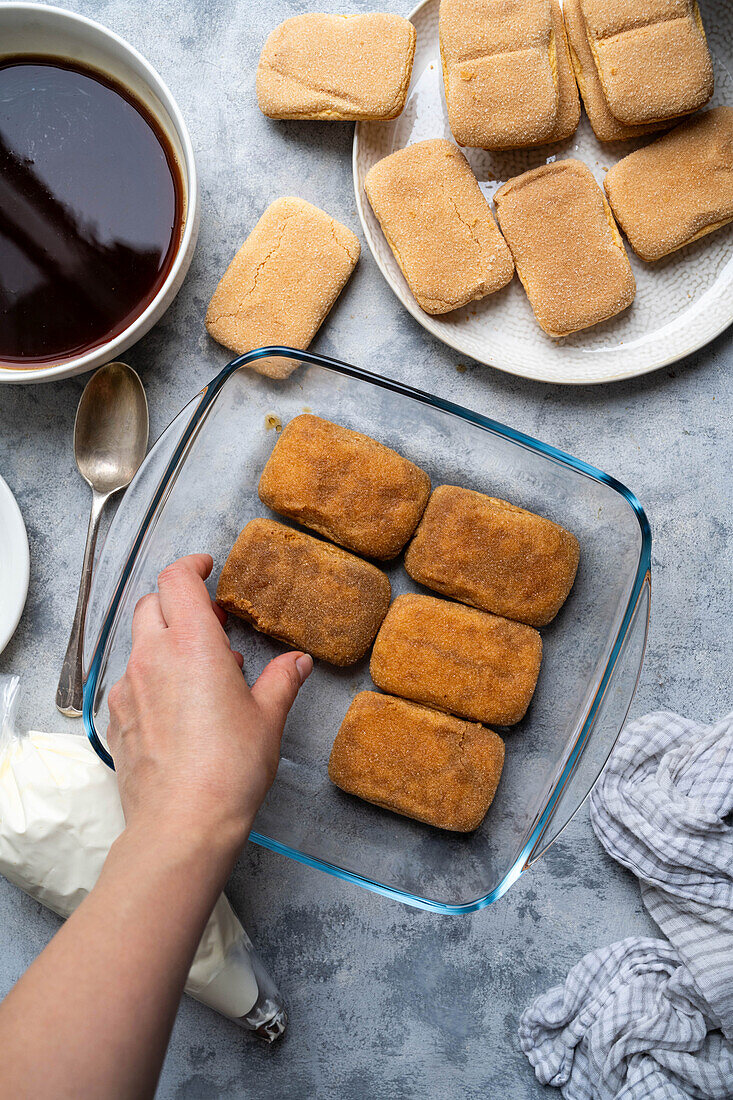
(172, 838)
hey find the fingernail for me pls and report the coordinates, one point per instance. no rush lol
(304, 666)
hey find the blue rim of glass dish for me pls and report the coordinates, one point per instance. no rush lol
(642, 574)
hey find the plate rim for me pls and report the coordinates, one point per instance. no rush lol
(425, 320)
(19, 536)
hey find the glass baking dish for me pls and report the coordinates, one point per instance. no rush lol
(198, 488)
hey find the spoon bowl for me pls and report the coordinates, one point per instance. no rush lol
(111, 428)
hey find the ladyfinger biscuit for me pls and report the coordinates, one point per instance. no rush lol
(438, 225)
(493, 555)
(568, 105)
(500, 71)
(678, 188)
(345, 486)
(417, 762)
(307, 593)
(569, 255)
(605, 125)
(651, 56)
(336, 67)
(454, 658)
(282, 282)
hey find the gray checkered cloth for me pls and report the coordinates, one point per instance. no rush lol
(648, 1019)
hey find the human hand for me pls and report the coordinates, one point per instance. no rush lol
(194, 747)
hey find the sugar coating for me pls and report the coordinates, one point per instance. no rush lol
(569, 255)
(307, 593)
(605, 125)
(568, 108)
(337, 67)
(651, 56)
(417, 762)
(454, 658)
(500, 71)
(438, 225)
(344, 485)
(282, 282)
(493, 555)
(678, 188)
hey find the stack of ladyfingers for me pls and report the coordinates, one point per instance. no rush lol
(449, 669)
(507, 72)
(510, 73)
(638, 65)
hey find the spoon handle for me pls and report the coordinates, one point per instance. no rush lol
(70, 692)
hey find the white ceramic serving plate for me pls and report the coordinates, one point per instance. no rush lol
(14, 565)
(681, 302)
(54, 32)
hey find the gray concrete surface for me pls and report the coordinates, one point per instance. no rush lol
(385, 1001)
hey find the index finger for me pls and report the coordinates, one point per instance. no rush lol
(183, 594)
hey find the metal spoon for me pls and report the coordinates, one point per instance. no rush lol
(110, 440)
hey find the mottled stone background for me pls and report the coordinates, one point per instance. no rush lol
(385, 1001)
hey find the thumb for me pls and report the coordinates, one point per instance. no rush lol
(276, 687)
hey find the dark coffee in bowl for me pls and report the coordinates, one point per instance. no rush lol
(91, 210)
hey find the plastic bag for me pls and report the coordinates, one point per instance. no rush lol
(60, 813)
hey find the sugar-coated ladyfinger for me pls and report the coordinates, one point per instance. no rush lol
(605, 125)
(456, 658)
(569, 254)
(282, 282)
(500, 71)
(336, 67)
(493, 555)
(507, 72)
(438, 225)
(651, 57)
(677, 189)
(344, 485)
(417, 762)
(307, 593)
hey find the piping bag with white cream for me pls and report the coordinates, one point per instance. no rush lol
(60, 813)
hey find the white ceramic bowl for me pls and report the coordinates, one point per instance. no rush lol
(54, 32)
